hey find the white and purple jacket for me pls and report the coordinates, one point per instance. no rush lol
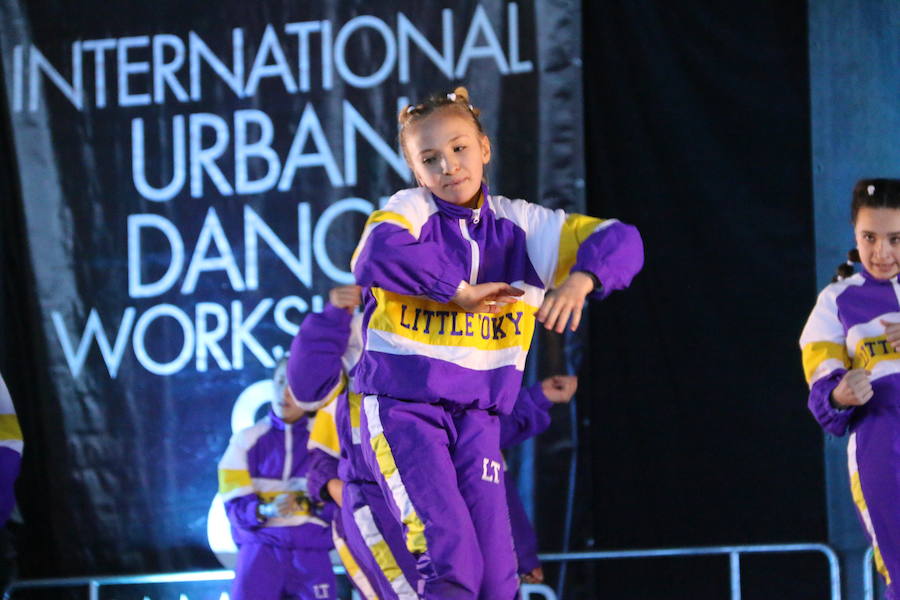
(414, 254)
(261, 462)
(845, 332)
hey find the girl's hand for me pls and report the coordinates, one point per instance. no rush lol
(559, 389)
(535, 576)
(347, 297)
(855, 389)
(286, 505)
(892, 331)
(485, 297)
(565, 301)
(336, 491)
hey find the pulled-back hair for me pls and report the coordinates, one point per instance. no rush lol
(868, 193)
(457, 101)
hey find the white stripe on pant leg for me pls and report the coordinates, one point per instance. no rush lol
(382, 553)
(359, 577)
(860, 501)
(416, 542)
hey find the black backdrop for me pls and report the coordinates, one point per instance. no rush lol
(695, 430)
(693, 423)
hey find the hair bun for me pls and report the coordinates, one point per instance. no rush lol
(462, 94)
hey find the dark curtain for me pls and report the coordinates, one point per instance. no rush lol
(692, 406)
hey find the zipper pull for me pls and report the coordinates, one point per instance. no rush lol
(476, 215)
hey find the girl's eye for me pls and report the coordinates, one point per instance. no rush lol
(895, 240)
(459, 148)
(428, 160)
(868, 237)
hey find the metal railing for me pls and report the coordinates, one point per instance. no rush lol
(868, 569)
(734, 553)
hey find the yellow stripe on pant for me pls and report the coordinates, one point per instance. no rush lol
(351, 566)
(415, 533)
(382, 553)
(863, 508)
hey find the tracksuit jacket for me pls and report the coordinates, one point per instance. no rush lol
(411, 259)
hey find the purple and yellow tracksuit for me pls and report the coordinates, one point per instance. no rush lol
(282, 556)
(435, 377)
(10, 453)
(368, 538)
(845, 332)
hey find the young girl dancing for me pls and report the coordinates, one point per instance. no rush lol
(454, 278)
(851, 356)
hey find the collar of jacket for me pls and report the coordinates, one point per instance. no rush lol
(277, 423)
(874, 279)
(454, 211)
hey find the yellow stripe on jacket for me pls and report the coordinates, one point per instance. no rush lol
(324, 434)
(815, 354)
(376, 218)
(575, 230)
(9, 428)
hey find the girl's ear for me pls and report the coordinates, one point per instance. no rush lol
(485, 149)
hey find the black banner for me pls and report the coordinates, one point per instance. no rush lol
(193, 181)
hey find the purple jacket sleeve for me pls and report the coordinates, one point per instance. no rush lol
(530, 416)
(832, 420)
(390, 257)
(241, 511)
(614, 255)
(322, 468)
(10, 462)
(314, 367)
(524, 537)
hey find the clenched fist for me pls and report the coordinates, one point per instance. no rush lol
(855, 389)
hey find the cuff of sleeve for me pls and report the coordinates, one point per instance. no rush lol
(252, 512)
(833, 420)
(528, 563)
(539, 398)
(600, 275)
(317, 487)
(444, 288)
(338, 316)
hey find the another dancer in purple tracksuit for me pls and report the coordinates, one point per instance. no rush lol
(851, 356)
(283, 541)
(379, 562)
(454, 278)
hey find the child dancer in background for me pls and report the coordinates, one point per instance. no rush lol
(282, 542)
(368, 539)
(851, 356)
(454, 278)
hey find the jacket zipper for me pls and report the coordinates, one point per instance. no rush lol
(288, 452)
(476, 253)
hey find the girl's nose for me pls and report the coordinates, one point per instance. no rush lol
(450, 166)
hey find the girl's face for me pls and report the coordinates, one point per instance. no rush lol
(286, 407)
(878, 241)
(447, 155)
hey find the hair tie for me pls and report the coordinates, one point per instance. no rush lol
(451, 96)
(871, 190)
(410, 109)
(849, 262)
